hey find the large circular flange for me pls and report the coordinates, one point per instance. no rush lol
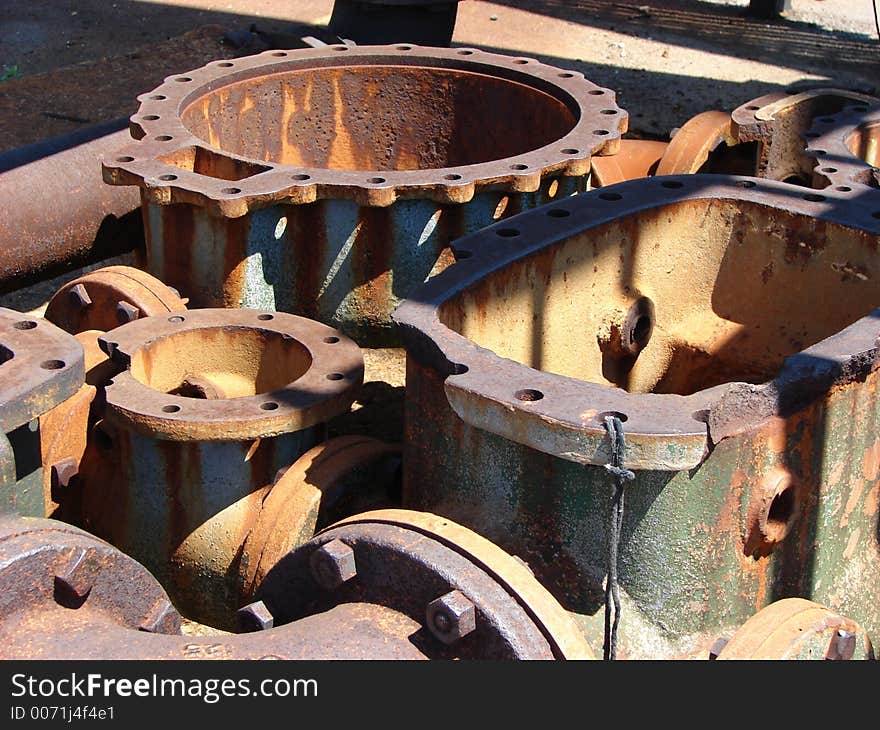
(563, 415)
(40, 366)
(173, 164)
(345, 475)
(45, 563)
(416, 562)
(794, 628)
(109, 297)
(846, 146)
(229, 374)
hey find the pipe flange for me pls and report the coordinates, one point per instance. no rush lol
(229, 374)
(45, 563)
(41, 367)
(795, 628)
(318, 136)
(474, 600)
(845, 147)
(109, 297)
(564, 416)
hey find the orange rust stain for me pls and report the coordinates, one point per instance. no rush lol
(852, 501)
(852, 543)
(836, 474)
(872, 501)
(871, 461)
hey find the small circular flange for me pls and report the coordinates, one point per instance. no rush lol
(328, 371)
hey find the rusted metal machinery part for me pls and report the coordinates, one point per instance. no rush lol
(777, 123)
(636, 158)
(57, 214)
(343, 476)
(64, 431)
(366, 161)
(64, 594)
(795, 628)
(426, 22)
(109, 297)
(208, 406)
(472, 599)
(742, 401)
(844, 147)
(40, 367)
(693, 142)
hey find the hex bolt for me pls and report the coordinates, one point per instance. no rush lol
(162, 619)
(62, 475)
(75, 580)
(79, 297)
(332, 564)
(126, 312)
(717, 647)
(254, 617)
(451, 617)
(842, 645)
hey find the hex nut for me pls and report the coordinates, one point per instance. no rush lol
(254, 617)
(451, 617)
(332, 564)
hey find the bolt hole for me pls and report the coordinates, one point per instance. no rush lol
(452, 176)
(265, 317)
(529, 395)
(301, 176)
(558, 213)
(465, 53)
(171, 408)
(52, 364)
(608, 111)
(596, 92)
(269, 406)
(781, 509)
(176, 319)
(641, 331)
(340, 48)
(335, 376)
(507, 232)
(168, 178)
(376, 180)
(566, 75)
(610, 196)
(278, 54)
(745, 183)
(752, 108)
(519, 166)
(404, 48)
(818, 153)
(182, 79)
(225, 64)
(125, 158)
(25, 325)
(814, 198)
(150, 117)
(600, 132)
(331, 340)
(843, 189)
(158, 97)
(163, 138)
(828, 169)
(672, 184)
(520, 61)
(231, 191)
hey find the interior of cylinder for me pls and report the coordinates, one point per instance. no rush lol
(220, 362)
(376, 117)
(683, 297)
(864, 143)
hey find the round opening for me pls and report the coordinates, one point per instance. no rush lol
(507, 232)
(176, 319)
(377, 180)
(335, 376)
(529, 395)
(843, 189)
(558, 213)
(172, 408)
(519, 166)
(672, 184)
(25, 325)
(828, 169)
(596, 92)
(269, 406)
(225, 64)
(301, 177)
(230, 191)
(610, 196)
(814, 198)
(150, 117)
(158, 97)
(641, 331)
(452, 176)
(265, 317)
(752, 108)
(600, 132)
(465, 53)
(567, 75)
(52, 364)
(168, 178)
(220, 362)
(378, 117)
(331, 340)
(163, 138)
(608, 111)
(779, 515)
(183, 79)
(570, 151)
(745, 183)
(125, 158)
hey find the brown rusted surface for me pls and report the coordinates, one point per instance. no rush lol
(795, 628)
(345, 475)
(846, 147)
(109, 297)
(593, 258)
(408, 560)
(40, 366)
(778, 122)
(635, 158)
(277, 372)
(692, 144)
(369, 123)
(57, 214)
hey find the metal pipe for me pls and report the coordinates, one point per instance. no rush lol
(57, 213)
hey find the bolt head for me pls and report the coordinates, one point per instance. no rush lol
(126, 312)
(451, 617)
(78, 296)
(254, 617)
(332, 564)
